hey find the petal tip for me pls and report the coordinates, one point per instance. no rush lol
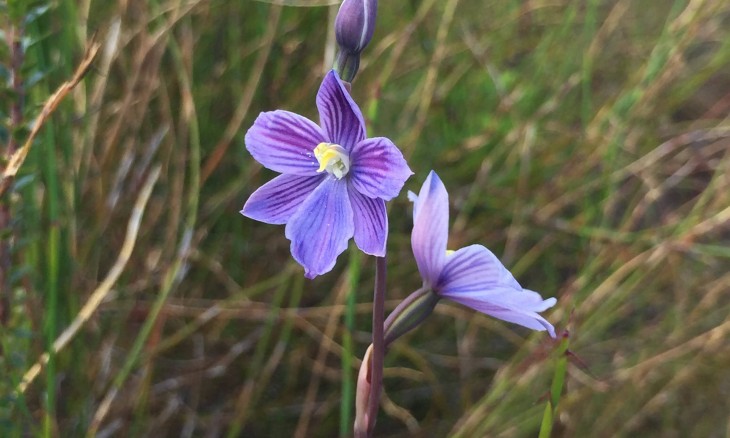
(309, 275)
(551, 330)
(340, 117)
(246, 209)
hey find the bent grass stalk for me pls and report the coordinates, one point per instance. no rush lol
(100, 293)
(173, 275)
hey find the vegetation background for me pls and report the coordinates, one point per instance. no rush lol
(586, 142)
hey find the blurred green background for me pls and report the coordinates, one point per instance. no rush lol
(585, 142)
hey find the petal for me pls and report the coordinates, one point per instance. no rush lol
(277, 200)
(474, 277)
(511, 305)
(321, 227)
(538, 303)
(284, 142)
(474, 268)
(371, 223)
(414, 199)
(430, 228)
(378, 169)
(339, 115)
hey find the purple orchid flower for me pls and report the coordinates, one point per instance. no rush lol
(471, 276)
(334, 181)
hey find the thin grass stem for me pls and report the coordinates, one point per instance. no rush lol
(348, 392)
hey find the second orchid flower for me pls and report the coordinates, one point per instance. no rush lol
(471, 276)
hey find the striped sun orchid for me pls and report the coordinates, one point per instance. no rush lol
(334, 181)
(471, 276)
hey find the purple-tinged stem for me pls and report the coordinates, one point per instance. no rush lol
(376, 373)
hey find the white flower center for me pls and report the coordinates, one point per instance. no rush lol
(333, 158)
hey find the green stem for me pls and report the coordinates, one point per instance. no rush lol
(556, 390)
(348, 392)
(53, 244)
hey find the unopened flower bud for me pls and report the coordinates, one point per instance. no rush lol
(354, 27)
(362, 396)
(409, 314)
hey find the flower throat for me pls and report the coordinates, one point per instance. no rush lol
(333, 158)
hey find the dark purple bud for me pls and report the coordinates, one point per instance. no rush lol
(354, 27)
(355, 24)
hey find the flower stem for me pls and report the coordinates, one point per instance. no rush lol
(376, 376)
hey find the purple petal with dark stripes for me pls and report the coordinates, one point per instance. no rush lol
(430, 228)
(284, 142)
(474, 277)
(339, 115)
(518, 307)
(371, 223)
(320, 228)
(277, 200)
(378, 169)
(474, 268)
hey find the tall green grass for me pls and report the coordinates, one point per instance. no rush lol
(585, 143)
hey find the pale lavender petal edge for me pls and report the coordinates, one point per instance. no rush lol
(474, 268)
(518, 307)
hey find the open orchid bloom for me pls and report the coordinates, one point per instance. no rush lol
(471, 276)
(333, 184)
